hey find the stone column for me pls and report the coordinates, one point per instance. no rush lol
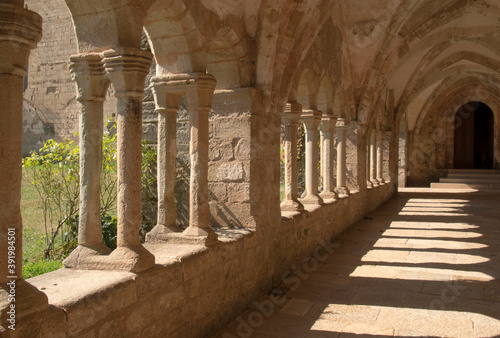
(20, 30)
(341, 135)
(127, 68)
(312, 120)
(373, 158)
(327, 128)
(199, 96)
(91, 87)
(380, 157)
(291, 122)
(368, 157)
(167, 100)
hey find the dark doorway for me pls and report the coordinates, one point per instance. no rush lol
(474, 137)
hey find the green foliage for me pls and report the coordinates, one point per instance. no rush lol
(109, 227)
(149, 188)
(55, 173)
(35, 268)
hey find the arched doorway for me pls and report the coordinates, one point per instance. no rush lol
(474, 136)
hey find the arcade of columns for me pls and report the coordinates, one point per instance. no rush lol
(126, 69)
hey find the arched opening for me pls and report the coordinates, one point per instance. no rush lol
(474, 137)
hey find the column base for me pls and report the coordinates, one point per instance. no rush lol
(329, 195)
(374, 183)
(131, 258)
(82, 256)
(381, 181)
(312, 200)
(28, 300)
(160, 231)
(291, 205)
(342, 192)
(192, 235)
(369, 184)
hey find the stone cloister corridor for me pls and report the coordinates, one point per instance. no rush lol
(278, 125)
(425, 264)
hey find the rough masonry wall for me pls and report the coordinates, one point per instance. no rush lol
(49, 83)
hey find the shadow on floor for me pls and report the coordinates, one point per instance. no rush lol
(423, 265)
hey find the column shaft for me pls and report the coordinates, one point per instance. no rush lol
(380, 157)
(127, 69)
(311, 121)
(20, 30)
(327, 155)
(167, 156)
(341, 133)
(91, 88)
(291, 123)
(199, 95)
(373, 158)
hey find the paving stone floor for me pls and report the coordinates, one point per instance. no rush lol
(425, 264)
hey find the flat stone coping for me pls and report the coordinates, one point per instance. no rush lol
(65, 287)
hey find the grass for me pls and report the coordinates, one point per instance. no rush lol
(33, 233)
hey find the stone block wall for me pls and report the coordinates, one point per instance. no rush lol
(49, 85)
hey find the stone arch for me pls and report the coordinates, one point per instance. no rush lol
(407, 41)
(108, 24)
(227, 60)
(325, 95)
(448, 101)
(175, 38)
(305, 92)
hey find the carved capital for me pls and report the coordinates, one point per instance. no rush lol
(90, 76)
(293, 111)
(311, 119)
(20, 31)
(127, 68)
(343, 124)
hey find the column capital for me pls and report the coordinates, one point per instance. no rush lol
(127, 68)
(293, 111)
(328, 123)
(343, 123)
(87, 70)
(20, 31)
(198, 87)
(311, 118)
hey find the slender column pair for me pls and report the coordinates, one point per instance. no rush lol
(312, 119)
(327, 130)
(376, 158)
(291, 123)
(126, 69)
(341, 135)
(199, 89)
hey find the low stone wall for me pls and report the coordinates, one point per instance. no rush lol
(193, 291)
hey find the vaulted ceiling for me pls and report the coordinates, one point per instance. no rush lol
(344, 57)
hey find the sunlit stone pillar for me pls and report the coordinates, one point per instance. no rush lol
(199, 96)
(291, 123)
(312, 119)
(20, 30)
(127, 68)
(167, 100)
(373, 158)
(341, 135)
(91, 87)
(327, 129)
(380, 157)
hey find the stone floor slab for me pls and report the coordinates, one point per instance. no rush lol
(427, 269)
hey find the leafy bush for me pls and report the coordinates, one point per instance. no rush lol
(55, 172)
(149, 188)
